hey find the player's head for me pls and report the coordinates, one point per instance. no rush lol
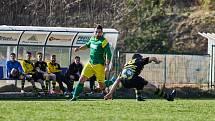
(53, 58)
(137, 56)
(28, 55)
(77, 59)
(12, 56)
(98, 31)
(39, 56)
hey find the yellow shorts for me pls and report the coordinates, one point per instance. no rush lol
(98, 69)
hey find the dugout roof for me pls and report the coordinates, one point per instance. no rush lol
(49, 40)
(51, 36)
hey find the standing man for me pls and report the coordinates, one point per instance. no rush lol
(14, 69)
(74, 71)
(100, 56)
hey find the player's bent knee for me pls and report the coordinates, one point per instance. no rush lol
(83, 79)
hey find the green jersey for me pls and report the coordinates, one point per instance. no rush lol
(99, 48)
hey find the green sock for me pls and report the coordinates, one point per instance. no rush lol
(78, 89)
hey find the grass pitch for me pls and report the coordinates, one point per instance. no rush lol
(100, 110)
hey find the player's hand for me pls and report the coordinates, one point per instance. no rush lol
(108, 96)
(77, 49)
(158, 62)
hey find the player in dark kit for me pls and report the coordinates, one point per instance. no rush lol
(41, 67)
(130, 78)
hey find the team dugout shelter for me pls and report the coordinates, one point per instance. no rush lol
(60, 41)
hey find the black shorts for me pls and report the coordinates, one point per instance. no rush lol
(35, 76)
(137, 82)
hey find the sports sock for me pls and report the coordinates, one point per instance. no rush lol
(47, 84)
(138, 93)
(78, 90)
(54, 84)
(22, 84)
(44, 88)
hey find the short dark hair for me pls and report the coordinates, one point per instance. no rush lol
(28, 52)
(53, 55)
(13, 54)
(77, 57)
(135, 56)
(39, 53)
(99, 27)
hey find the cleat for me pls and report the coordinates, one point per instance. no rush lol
(140, 99)
(22, 91)
(65, 93)
(171, 96)
(73, 99)
(108, 96)
(89, 93)
(173, 93)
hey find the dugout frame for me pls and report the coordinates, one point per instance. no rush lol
(211, 51)
(15, 38)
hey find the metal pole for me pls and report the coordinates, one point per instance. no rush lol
(208, 78)
(70, 51)
(17, 49)
(165, 69)
(212, 67)
(118, 60)
(44, 48)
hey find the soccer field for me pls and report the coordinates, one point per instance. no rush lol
(100, 110)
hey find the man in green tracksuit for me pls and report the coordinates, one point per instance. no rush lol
(100, 56)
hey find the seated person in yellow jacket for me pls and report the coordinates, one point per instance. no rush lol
(54, 68)
(30, 72)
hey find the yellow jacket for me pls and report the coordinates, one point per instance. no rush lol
(28, 67)
(53, 67)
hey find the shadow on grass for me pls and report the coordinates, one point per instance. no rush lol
(122, 93)
(181, 92)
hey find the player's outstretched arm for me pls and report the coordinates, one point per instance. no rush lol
(154, 59)
(81, 48)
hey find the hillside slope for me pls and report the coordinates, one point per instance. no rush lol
(155, 26)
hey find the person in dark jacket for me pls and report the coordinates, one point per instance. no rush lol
(74, 71)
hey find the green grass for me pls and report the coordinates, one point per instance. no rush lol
(100, 110)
